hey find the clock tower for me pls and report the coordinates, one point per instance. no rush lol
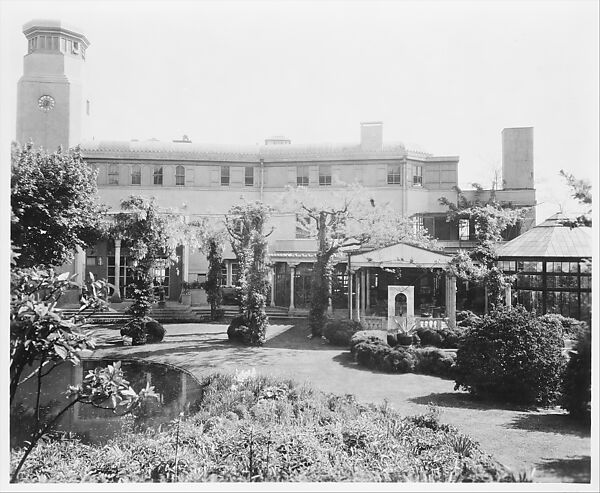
(51, 106)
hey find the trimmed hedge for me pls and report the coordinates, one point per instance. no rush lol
(367, 336)
(340, 331)
(446, 338)
(513, 356)
(375, 353)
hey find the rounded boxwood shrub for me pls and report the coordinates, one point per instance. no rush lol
(399, 360)
(366, 336)
(576, 388)
(511, 355)
(434, 361)
(238, 331)
(340, 331)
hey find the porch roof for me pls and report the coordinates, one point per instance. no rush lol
(401, 255)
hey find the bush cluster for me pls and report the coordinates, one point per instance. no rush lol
(375, 353)
(576, 387)
(340, 331)
(511, 355)
(143, 330)
(446, 337)
(261, 429)
(238, 330)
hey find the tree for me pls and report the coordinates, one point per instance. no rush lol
(54, 208)
(42, 340)
(213, 247)
(335, 220)
(150, 234)
(489, 219)
(581, 191)
(246, 224)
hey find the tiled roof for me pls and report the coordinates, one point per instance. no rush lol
(550, 239)
(154, 149)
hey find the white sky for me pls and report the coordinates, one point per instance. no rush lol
(447, 76)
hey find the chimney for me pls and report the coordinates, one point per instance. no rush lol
(371, 136)
(517, 158)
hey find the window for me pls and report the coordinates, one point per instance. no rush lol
(394, 174)
(224, 176)
(158, 175)
(417, 221)
(63, 45)
(249, 176)
(113, 174)
(87, 107)
(418, 175)
(302, 176)
(75, 47)
(136, 175)
(180, 175)
(55, 43)
(325, 175)
(464, 229)
(235, 272)
(223, 276)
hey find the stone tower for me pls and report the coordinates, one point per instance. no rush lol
(51, 106)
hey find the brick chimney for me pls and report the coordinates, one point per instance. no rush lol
(371, 136)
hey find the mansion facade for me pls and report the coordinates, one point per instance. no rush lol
(201, 180)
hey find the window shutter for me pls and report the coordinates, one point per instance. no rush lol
(215, 176)
(189, 175)
(292, 175)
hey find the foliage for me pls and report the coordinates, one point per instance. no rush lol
(54, 208)
(582, 191)
(367, 336)
(41, 340)
(444, 337)
(434, 361)
(466, 318)
(489, 220)
(104, 388)
(253, 428)
(511, 355)
(569, 328)
(143, 330)
(348, 217)
(340, 331)
(576, 387)
(246, 225)
(213, 246)
(151, 235)
(238, 331)
(39, 335)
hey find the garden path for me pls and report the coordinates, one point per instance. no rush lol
(520, 438)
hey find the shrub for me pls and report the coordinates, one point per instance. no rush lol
(367, 335)
(399, 360)
(340, 331)
(155, 332)
(568, 328)
(238, 330)
(466, 318)
(434, 361)
(143, 330)
(576, 388)
(430, 337)
(511, 355)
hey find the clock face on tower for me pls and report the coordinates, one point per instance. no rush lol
(46, 103)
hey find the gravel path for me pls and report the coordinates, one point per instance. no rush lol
(520, 438)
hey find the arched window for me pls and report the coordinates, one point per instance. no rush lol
(158, 175)
(113, 174)
(400, 305)
(136, 174)
(180, 175)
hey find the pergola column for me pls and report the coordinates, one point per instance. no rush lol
(292, 281)
(368, 289)
(508, 295)
(273, 277)
(117, 293)
(451, 299)
(349, 294)
(80, 266)
(228, 268)
(358, 294)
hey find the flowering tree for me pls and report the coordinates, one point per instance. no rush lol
(348, 217)
(54, 206)
(246, 224)
(489, 219)
(151, 234)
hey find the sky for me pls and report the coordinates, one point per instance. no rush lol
(446, 76)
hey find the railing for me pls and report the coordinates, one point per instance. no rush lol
(381, 323)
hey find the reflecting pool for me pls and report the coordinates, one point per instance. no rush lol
(177, 392)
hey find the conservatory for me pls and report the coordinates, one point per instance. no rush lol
(552, 267)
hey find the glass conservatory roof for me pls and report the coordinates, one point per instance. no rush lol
(550, 239)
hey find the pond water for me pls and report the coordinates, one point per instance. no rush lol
(177, 390)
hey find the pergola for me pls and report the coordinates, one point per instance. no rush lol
(400, 255)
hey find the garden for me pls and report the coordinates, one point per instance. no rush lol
(243, 426)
